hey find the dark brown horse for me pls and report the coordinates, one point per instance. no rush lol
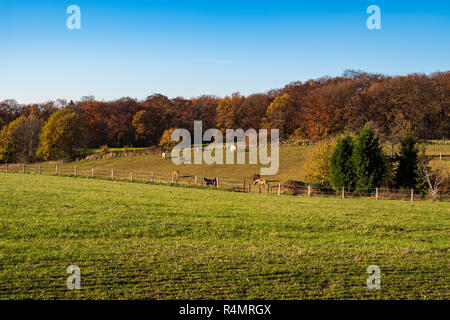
(256, 177)
(210, 182)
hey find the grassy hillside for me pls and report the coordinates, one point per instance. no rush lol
(157, 242)
(291, 164)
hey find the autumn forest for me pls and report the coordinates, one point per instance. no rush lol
(301, 110)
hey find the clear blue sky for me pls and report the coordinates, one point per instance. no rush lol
(188, 48)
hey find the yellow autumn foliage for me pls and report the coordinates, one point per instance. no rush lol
(316, 169)
(166, 139)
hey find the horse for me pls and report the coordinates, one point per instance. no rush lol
(261, 182)
(176, 174)
(210, 182)
(256, 177)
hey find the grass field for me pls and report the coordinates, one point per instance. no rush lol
(291, 164)
(437, 149)
(157, 242)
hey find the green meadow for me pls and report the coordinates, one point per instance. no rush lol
(144, 241)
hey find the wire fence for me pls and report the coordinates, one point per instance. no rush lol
(237, 185)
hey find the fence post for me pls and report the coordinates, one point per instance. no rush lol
(217, 182)
(279, 188)
(40, 169)
(309, 191)
(6, 167)
(75, 171)
(195, 180)
(131, 176)
(267, 187)
(259, 188)
(412, 194)
(24, 170)
(112, 174)
(376, 193)
(440, 156)
(249, 188)
(172, 177)
(153, 176)
(56, 168)
(92, 172)
(343, 192)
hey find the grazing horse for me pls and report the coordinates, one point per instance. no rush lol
(261, 182)
(210, 182)
(176, 174)
(256, 177)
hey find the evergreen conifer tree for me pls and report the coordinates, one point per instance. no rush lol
(368, 161)
(407, 175)
(341, 166)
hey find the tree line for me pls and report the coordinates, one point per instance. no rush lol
(301, 110)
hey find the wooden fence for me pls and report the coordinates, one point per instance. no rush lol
(236, 185)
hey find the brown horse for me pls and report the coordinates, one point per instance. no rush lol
(210, 182)
(261, 182)
(256, 177)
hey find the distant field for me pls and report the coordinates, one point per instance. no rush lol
(437, 149)
(291, 164)
(156, 242)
